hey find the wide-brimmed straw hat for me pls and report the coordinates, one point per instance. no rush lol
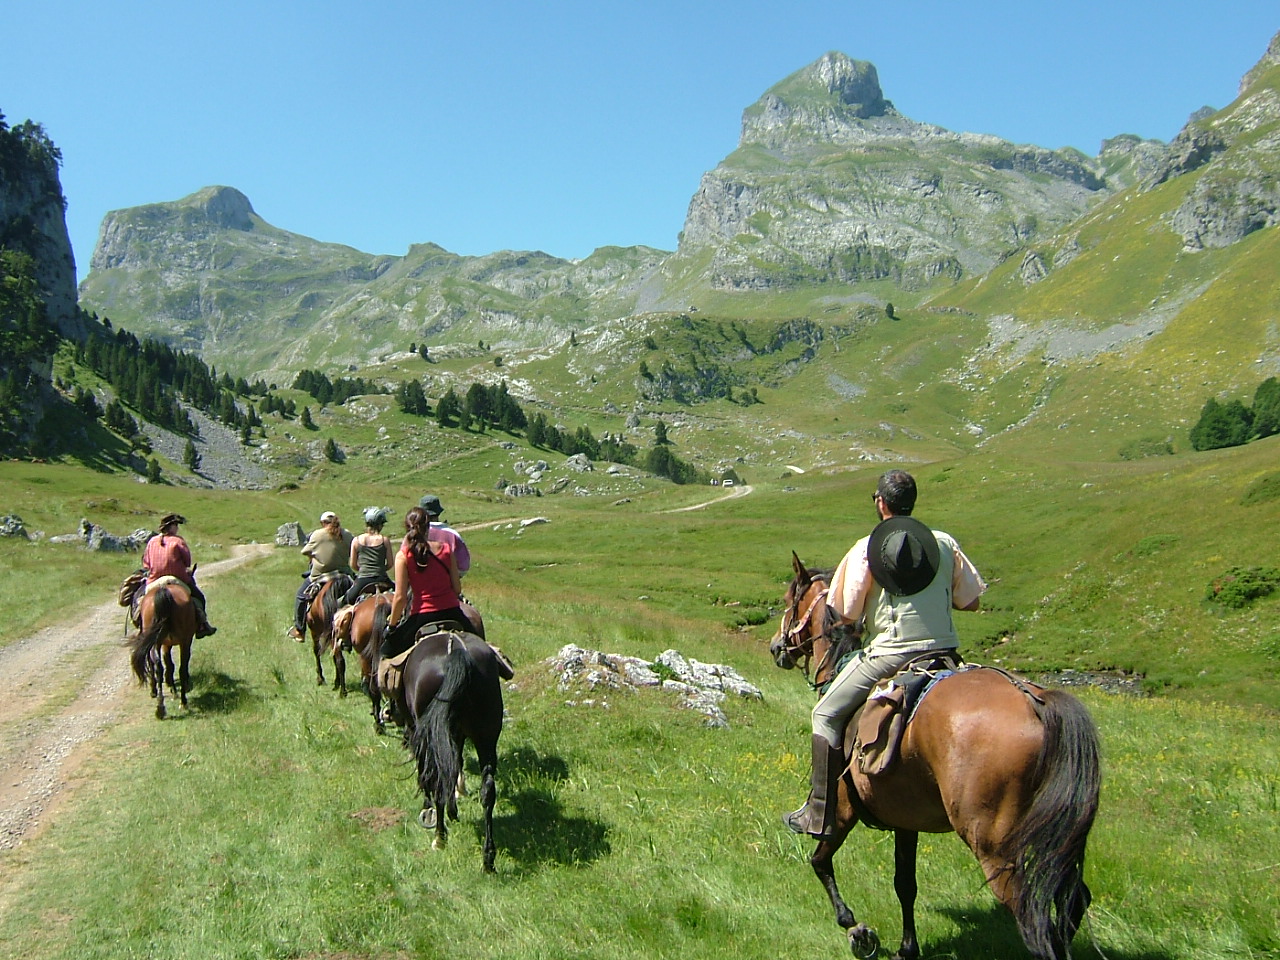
(903, 555)
(169, 518)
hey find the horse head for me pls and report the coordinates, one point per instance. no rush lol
(794, 641)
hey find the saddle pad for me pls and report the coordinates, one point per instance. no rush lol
(162, 582)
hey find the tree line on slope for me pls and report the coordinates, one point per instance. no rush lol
(1233, 423)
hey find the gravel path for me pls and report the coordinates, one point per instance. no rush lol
(43, 741)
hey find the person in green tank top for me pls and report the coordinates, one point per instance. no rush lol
(903, 580)
(371, 553)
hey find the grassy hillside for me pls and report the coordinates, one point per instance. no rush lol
(269, 820)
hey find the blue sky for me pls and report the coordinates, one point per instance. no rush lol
(557, 126)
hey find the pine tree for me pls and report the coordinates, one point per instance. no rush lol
(153, 470)
(307, 423)
(191, 456)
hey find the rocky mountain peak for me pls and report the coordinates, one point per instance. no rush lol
(830, 97)
(853, 82)
(1269, 59)
(223, 207)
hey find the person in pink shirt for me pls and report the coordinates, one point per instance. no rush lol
(443, 533)
(167, 555)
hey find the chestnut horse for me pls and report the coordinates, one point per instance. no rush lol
(168, 620)
(362, 628)
(1017, 778)
(451, 693)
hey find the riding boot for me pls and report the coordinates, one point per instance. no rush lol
(298, 631)
(817, 816)
(203, 627)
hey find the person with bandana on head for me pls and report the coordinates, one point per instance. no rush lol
(329, 549)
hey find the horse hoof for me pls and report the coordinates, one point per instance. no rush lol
(437, 844)
(863, 942)
(427, 819)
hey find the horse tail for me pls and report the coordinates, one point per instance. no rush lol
(378, 630)
(162, 607)
(437, 741)
(1046, 851)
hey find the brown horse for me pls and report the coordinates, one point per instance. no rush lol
(363, 627)
(1017, 778)
(168, 620)
(320, 621)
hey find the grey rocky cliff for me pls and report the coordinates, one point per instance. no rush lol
(831, 182)
(33, 220)
(1234, 157)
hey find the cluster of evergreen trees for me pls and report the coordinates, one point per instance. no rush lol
(1232, 423)
(27, 342)
(493, 407)
(334, 391)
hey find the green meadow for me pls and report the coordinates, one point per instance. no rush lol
(269, 820)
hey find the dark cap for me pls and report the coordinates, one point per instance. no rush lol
(903, 555)
(431, 503)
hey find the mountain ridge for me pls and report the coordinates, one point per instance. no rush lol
(751, 226)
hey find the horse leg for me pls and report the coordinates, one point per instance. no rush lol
(184, 674)
(862, 939)
(339, 670)
(157, 682)
(168, 671)
(488, 797)
(317, 644)
(904, 884)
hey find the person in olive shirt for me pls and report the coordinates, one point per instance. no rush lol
(329, 549)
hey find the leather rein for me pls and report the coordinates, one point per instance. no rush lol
(798, 641)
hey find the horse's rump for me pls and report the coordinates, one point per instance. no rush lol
(974, 741)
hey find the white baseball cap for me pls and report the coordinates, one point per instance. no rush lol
(327, 516)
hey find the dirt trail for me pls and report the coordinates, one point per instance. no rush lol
(64, 685)
(739, 491)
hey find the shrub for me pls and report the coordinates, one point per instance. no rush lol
(1146, 447)
(1263, 490)
(1240, 586)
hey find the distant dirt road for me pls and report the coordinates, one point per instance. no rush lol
(43, 742)
(739, 491)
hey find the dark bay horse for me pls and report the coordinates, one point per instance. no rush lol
(363, 627)
(320, 621)
(168, 620)
(1016, 779)
(451, 693)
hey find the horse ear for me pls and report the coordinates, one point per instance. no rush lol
(797, 566)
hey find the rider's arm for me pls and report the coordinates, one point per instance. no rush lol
(967, 585)
(401, 598)
(454, 578)
(351, 561)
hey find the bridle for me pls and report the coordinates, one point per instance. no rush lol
(799, 631)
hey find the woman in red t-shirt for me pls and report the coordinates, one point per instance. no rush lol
(427, 567)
